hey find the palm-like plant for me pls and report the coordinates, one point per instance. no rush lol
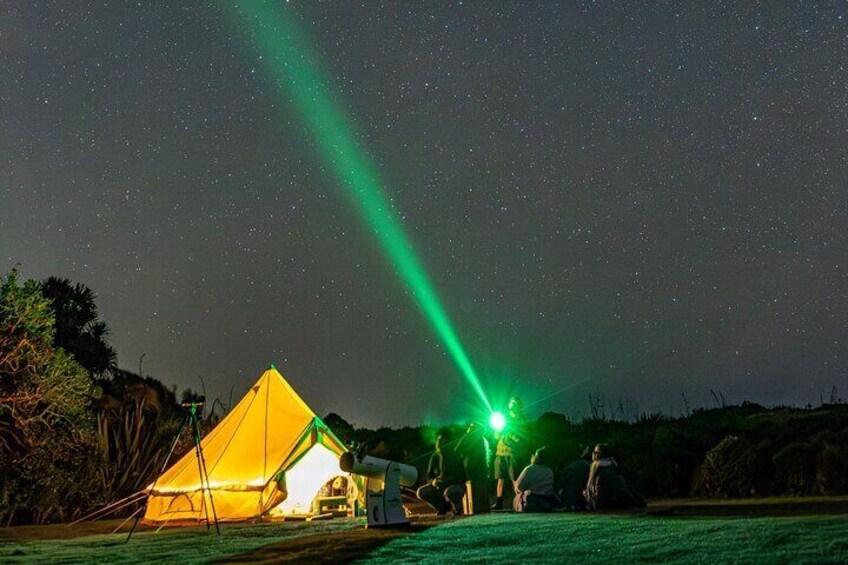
(78, 329)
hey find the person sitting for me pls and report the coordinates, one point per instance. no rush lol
(606, 489)
(571, 480)
(446, 485)
(534, 488)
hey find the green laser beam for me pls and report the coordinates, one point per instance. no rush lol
(292, 70)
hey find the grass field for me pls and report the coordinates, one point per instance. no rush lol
(581, 538)
(774, 532)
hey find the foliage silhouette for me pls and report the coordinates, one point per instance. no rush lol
(77, 327)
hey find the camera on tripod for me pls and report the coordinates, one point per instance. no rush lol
(194, 405)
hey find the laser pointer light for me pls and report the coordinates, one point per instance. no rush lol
(497, 421)
(292, 69)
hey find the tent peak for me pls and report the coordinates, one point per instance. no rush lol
(271, 367)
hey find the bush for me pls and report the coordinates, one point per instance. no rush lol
(726, 470)
(47, 447)
(832, 471)
(795, 467)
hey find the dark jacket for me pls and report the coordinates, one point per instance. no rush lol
(607, 490)
(570, 481)
(446, 468)
(473, 452)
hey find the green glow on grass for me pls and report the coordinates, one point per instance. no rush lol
(291, 69)
(497, 421)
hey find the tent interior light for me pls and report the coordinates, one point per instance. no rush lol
(318, 466)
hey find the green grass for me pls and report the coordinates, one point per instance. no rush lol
(584, 538)
(173, 545)
(494, 538)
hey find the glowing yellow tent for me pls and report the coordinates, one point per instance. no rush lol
(269, 456)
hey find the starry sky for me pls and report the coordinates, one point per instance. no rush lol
(640, 201)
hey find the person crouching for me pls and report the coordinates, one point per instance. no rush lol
(446, 488)
(534, 488)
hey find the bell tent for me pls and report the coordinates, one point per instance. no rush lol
(268, 457)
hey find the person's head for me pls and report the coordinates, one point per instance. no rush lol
(599, 452)
(538, 457)
(515, 405)
(442, 438)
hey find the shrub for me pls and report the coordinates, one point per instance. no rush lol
(46, 426)
(832, 471)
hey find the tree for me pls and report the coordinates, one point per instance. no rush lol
(341, 427)
(78, 329)
(47, 440)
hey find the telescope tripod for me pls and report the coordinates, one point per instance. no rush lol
(192, 421)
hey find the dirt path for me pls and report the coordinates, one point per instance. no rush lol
(66, 531)
(342, 547)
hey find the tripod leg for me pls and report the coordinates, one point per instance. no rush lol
(162, 470)
(205, 473)
(198, 454)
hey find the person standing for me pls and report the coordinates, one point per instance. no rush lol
(508, 450)
(473, 451)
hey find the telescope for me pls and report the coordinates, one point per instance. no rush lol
(382, 487)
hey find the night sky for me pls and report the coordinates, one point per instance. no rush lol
(635, 200)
